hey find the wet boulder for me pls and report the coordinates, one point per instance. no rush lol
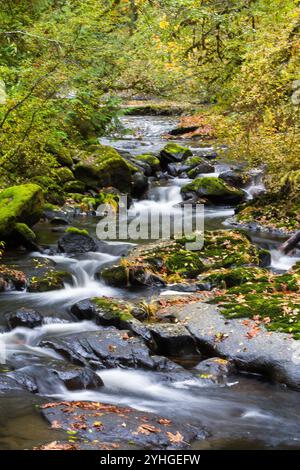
(19, 204)
(110, 427)
(47, 378)
(49, 280)
(213, 189)
(172, 340)
(202, 168)
(76, 242)
(84, 310)
(173, 153)
(150, 160)
(140, 184)
(24, 317)
(106, 348)
(236, 178)
(216, 369)
(249, 347)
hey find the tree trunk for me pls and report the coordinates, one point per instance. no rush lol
(290, 244)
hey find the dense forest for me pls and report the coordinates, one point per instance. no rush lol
(170, 103)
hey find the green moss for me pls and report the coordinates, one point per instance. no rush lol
(275, 300)
(104, 168)
(74, 187)
(77, 231)
(51, 280)
(213, 188)
(177, 151)
(151, 160)
(25, 232)
(115, 308)
(61, 153)
(64, 174)
(235, 277)
(77, 197)
(20, 204)
(194, 161)
(117, 276)
(185, 263)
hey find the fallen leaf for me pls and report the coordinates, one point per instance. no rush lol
(175, 438)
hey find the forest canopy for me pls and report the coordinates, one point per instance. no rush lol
(64, 65)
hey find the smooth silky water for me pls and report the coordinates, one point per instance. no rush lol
(246, 413)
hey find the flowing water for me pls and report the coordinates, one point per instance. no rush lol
(246, 413)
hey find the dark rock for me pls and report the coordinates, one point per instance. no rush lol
(76, 243)
(203, 167)
(59, 221)
(173, 153)
(127, 427)
(84, 310)
(24, 317)
(8, 384)
(173, 340)
(139, 313)
(46, 379)
(264, 258)
(215, 369)
(139, 184)
(235, 178)
(107, 348)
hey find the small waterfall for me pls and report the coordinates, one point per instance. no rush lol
(256, 186)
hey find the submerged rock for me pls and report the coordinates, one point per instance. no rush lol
(74, 242)
(215, 369)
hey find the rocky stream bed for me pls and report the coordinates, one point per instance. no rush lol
(142, 344)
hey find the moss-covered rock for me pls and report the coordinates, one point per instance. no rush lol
(74, 187)
(52, 189)
(64, 175)
(20, 204)
(105, 167)
(61, 153)
(112, 312)
(152, 161)
(173, 153)
(203, 167)
(77, 230)
(270, 298)
(185, 263)
(214, 189)
(50, 280)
